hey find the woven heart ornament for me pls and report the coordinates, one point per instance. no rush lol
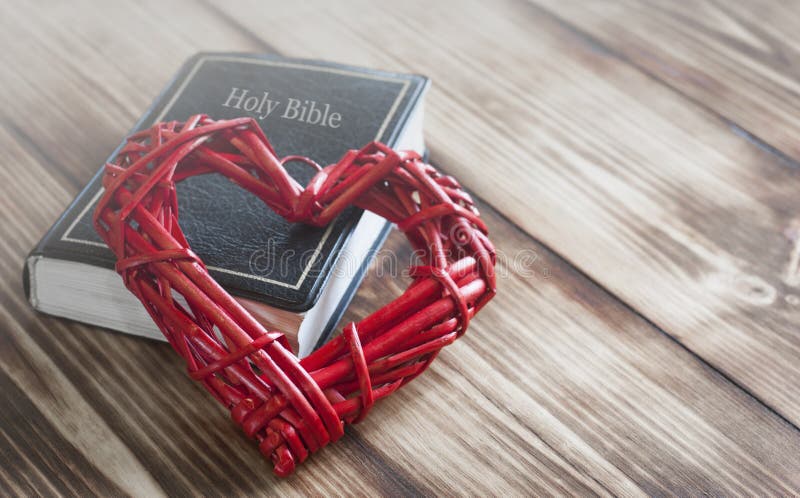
(293, 407)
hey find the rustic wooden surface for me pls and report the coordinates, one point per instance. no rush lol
(645, 153)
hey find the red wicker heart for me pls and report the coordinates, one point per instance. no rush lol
(293, 407)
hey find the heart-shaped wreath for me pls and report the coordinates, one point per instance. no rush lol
(291, 406)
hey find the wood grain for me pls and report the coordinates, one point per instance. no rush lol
(559, 388)
(738, 59)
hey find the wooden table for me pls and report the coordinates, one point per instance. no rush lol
(641, 157)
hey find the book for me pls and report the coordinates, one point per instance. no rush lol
(292, 277)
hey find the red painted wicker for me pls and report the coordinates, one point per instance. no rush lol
(293, 407)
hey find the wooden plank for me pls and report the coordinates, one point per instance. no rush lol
(657, 199)
(558, 388)
(736, 58)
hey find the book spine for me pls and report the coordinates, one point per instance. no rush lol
(39, 250)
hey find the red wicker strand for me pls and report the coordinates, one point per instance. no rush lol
(293, 407)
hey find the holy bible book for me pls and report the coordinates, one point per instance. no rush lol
(292, 277)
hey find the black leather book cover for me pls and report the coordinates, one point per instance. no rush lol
(311, 108)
